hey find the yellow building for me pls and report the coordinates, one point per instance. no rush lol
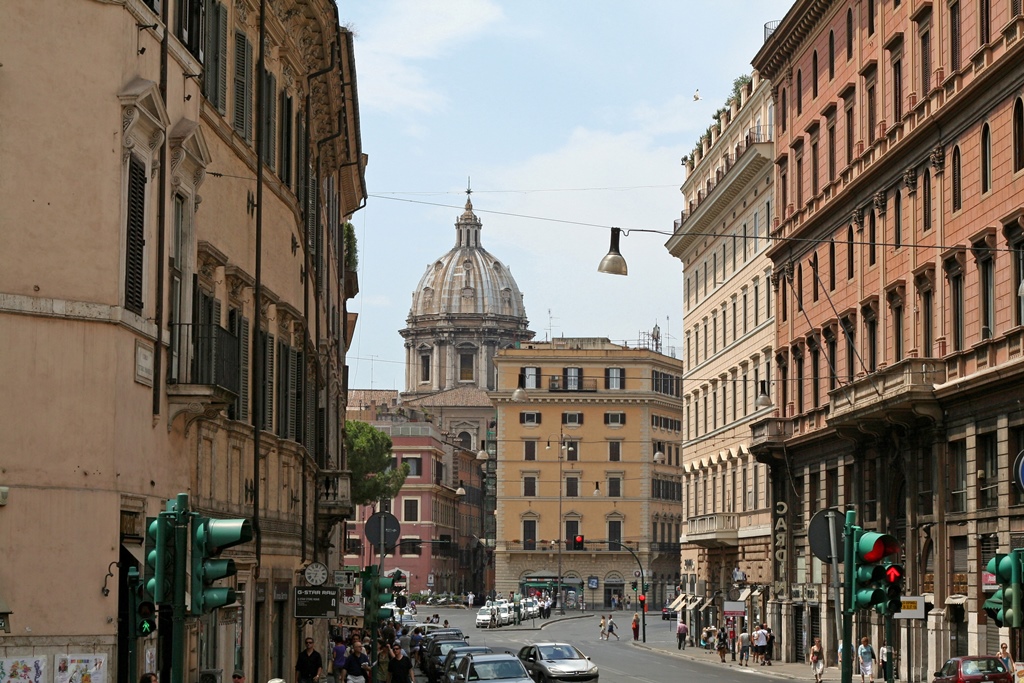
(588, 444)
(173, 282)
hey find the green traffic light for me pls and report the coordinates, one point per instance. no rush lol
(159, 566)
(209, 538)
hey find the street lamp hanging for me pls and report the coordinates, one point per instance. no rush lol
(613, 263)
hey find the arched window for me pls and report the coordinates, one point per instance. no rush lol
(799, 92)
(957, 185)
(831, 55)
(849, 34)
(782, 121)
(849, 253)
(986, 159)
(926, 201)
(1018, 135)
(897, 219)
(814, 74)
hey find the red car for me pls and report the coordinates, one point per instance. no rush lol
(973, 670)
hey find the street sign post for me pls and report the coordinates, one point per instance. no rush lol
(316, 603)
(911, 607)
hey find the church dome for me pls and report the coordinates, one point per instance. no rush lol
(467, 280)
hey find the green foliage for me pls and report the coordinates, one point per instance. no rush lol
(369, 459)
(351, 248)
(738, 85)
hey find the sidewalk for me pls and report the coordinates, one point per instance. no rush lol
(785, 670)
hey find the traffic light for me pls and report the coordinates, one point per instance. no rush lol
(578, 542)
(647, 587)
(643, 602)
(159, 568)
(633, 586)
(209, 538)
(893, 579)
(1005, 604)
(376, 594)
(871, 548)
(142, 611)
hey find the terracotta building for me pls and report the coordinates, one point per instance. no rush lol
(173, 286)
(898, 265)
(721, 238)
(590, 447)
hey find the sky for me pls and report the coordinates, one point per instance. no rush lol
(566, 118)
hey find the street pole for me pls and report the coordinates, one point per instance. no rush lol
(848, 562)
(561, 529)
(834, 547)
(133, 612)
(180, 508)
(643, 611)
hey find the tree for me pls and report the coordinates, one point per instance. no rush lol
(369, 459)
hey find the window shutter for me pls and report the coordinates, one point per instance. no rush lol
(248, 91)
(243, 413)
(606, 418)
(270, 119)
(283, 381)
(311, 407)
(294, 389)
(580, 418)
(622, 418)
(522, 418)
(300, 160)
(221, 64)
(136, 236)
(539, 416)
(607, 378)
(311, 240)
(268, 393)
(239, 108)
(565, 418)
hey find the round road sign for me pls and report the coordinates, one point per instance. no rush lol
(383, 525)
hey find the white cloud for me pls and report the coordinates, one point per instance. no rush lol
(393, 54)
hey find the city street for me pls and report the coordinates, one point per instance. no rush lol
(656, 661)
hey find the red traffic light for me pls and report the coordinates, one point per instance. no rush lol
(642, 598)
(873, 547)
(579, 539)
(893, 573)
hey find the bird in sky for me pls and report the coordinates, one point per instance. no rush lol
(696, 95)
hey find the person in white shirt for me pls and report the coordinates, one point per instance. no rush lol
(760, 641)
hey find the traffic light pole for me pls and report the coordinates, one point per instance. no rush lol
(849, 563)
(181, 520)
(133, 608)
(643, 584)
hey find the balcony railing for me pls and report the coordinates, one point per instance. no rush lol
(666, 547)
(552, 546)
(560, 383)
(714, 530)
(214, 356)
(769, 28)
(335, 492)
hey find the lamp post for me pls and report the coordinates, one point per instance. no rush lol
(563, 446)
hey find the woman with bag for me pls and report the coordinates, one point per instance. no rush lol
(636, 626)
(816, 656)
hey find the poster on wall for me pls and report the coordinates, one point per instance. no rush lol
(23, 670)
(80, 669)
(150, 657)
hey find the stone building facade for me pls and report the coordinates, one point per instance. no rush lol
(899, 173)
(147, 348)
(592, 450)
(721, 238)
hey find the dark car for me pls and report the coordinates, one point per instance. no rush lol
(436, 636)
(547, 662)
(667, 613)
(491, 667)
(973, 670)
(454, 656)
(435, 655)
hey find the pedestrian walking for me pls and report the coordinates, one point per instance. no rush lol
(744, 649)
(816, 656)
(682, 631)
(722, 644)
(611, 629)
(866, 656)
(887, 656)
(604, 630)
(760, 637)
(1005, 658)
(636, 626)
(769, 645)
(309, 665)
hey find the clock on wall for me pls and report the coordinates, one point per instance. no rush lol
(316, 573)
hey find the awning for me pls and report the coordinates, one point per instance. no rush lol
(756, 592)
(929, 598)
(956, 599)
(744, 594)
(707, 601)
(677, 603)
(693, 601)
(137, 550)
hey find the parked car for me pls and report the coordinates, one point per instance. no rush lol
(531, 608)
(491, 667)
(547, 662)
(973, 670)
(435, 655)
(668, 614)
(483, 617)
(454, 656)
(505, 615)
(449, 634)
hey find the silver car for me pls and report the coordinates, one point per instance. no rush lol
(491, 667)
(549, 662)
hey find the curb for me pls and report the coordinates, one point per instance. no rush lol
(779, 673)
